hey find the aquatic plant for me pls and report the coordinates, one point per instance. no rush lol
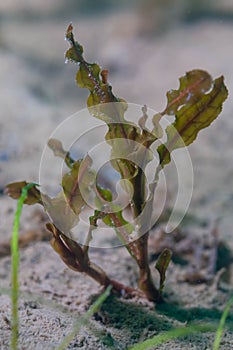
(195, 105)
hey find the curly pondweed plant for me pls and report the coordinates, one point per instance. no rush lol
(127, 209)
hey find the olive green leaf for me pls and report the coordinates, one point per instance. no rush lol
(104, 193)
(58, 208)
(80, 175)
(60, 212)
(89, 75)
(85, 73)
(69, 250)
(114, 216)
(75, 52)
(196, 105)
(192, 86)
(162, 265)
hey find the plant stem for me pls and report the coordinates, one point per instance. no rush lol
(95, 272)
(77, 259)
(145, 282)
(139, 193)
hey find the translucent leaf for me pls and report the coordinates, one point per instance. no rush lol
(143, 119)
(192, 86)
(76, 50)
(126, 168)
(105, 193)
(89, 74)
(148, 137)
(110, 113)
(157, 130)
(123, 230)
(88, 78)
(117, 220)
(60, 212)
(100, 106)
(80, 174)
(74, 54)
(95, 217)
(57, 148)
(129, 146)
(93, 100)
(114, 216)
(198, 113)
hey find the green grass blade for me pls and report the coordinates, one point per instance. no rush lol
(172, 334)
(82, 321)
(221, 324)
(15, 266)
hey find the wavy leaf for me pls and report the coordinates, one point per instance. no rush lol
(75, 52)
(104, 193)
(80, 174)
(89, 74)
(129, 144)
(91, 77)
(117, 220)
(192, 86)
(196, 114)
(14, 190)
(58, 150)
(60, 212)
